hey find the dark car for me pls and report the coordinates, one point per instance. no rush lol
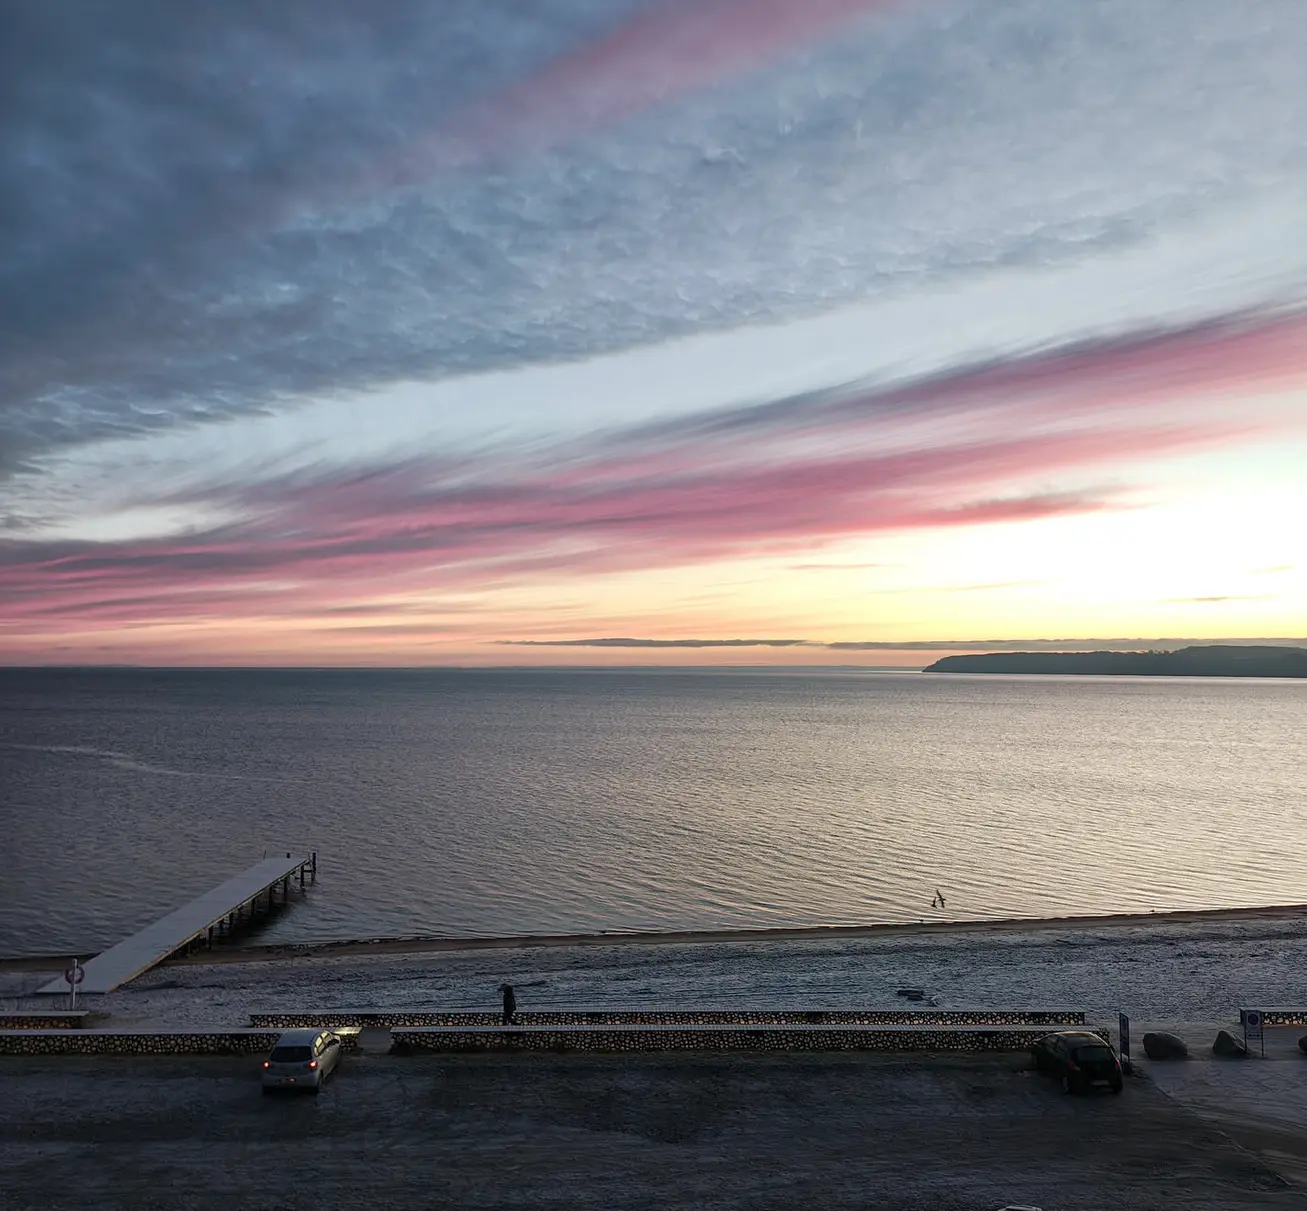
(1080, 1060)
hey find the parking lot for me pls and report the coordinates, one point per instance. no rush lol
(705, 1131)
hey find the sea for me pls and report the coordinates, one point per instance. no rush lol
(518, 802)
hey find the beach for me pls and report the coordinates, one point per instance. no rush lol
(819, 933)
(363, 947)
(1190, 967)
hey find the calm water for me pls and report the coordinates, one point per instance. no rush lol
(534, 802)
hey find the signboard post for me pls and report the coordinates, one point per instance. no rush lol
(1123, 1033)
(74, 976)
(1251, 1019)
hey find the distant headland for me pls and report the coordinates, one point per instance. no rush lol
(1216, 660)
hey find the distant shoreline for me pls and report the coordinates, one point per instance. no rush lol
(1211, 660)
(362, 947)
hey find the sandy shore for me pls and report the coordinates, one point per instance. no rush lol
(1167, 970)
(433, 945)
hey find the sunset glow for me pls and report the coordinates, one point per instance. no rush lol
(757, 355)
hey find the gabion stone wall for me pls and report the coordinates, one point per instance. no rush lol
(677, 1017)
(144, 1042)
(718, 1038)
(44, 1019)
(1284, 1017)
(604, 1038)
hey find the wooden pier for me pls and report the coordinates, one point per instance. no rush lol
(214, 914)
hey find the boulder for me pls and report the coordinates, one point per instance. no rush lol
(1159, 1045)
(1228, 1046)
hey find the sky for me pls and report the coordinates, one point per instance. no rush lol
(649, 331)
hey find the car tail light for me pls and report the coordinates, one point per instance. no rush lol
(313, 1063)
(266, 1064)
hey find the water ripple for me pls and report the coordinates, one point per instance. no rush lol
(487, 803)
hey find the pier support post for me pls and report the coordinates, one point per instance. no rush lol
(315, 866)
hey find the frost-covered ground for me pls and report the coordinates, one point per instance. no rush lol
(1170, 974)
(602, 1133)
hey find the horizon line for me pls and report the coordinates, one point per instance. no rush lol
(935, 651)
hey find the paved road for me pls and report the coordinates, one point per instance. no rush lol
(1260, 1102)
(715, 1132)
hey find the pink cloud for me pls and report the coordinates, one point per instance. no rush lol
(676, 47)
(456, 537)
(1241, 354)
(1205, 364)
(755, 485)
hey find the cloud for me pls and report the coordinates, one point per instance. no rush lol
(995, 586)
(221, 210)
(640, 64)
(225, 226)
(229, 211)
(407, 629)
(654, 643)
(900, 645)
(412, 526)
(836, 567)
(1215, 598)
(1082, 380)
(627, 500)
(1042, 645)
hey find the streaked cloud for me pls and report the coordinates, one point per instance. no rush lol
(907, 645)
(654, 643)
(1216, 598)
(244, 214)
(994, 587)
(1047, 645)
(582, 511)
(327, 319)
(915, 590)
(660, 53)
(834, 567)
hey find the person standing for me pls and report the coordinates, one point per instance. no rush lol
(510, 1003)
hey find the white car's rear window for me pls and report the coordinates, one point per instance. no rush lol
(291, 1055)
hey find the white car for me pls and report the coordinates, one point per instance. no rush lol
(302, 1059)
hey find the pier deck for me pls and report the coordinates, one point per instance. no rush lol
(129, 958)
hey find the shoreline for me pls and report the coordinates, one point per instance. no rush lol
(363, 947)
